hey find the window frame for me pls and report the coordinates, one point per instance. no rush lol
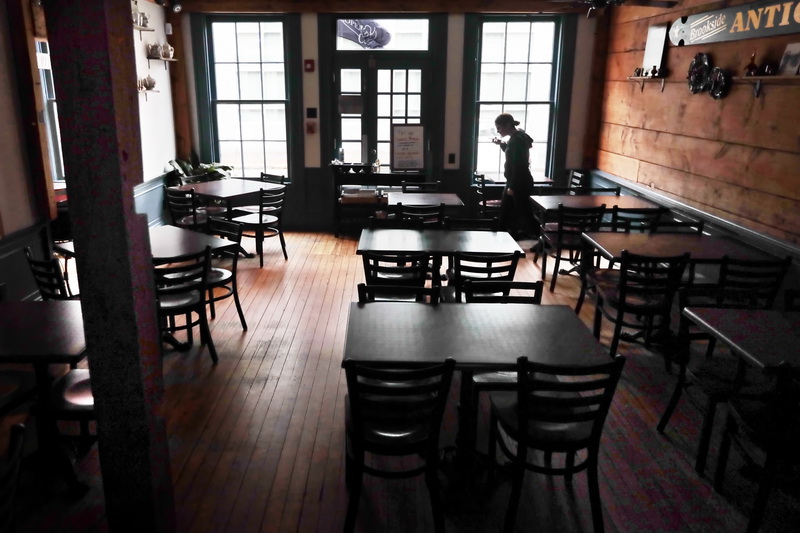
(208, 136)
(561, 80)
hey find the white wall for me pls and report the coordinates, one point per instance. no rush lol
(155, 112)
(581, 85)
(452, 106)
(310, 46)
(16, 208)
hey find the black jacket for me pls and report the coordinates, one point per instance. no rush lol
(517, 168)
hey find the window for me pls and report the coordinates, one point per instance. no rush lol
(50, 111)
(248, 96)
(516, 74)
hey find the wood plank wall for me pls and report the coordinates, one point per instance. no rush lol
(737, 158)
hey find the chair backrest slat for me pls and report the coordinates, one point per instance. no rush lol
(48, 276)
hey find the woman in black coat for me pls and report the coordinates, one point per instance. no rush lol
(515, 203)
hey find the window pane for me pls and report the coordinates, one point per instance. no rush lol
(493, 42)
(384, 105)
(384, 153)
(538, 159)
(272, 42)
(250, 81)
(253, 156)
(230, 153)
(414, 105)
(542, 42)
(351, 128)
(276, 157)
(248, 42)
(382, 34)
(539, 88)
(228, 122)
(518, 35)
(537, 123)
(399, 81)
(223, 35)
(398, 105)
(415, 81)
(352, 152)
(384, 129)
(516, 81)
(252, 125)
(275, 122)
(384, 81)
(227, 78)
(274, 81)
(351, 81)
(491, 82)
(486, 116)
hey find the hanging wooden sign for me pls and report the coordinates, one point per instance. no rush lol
(762, 19)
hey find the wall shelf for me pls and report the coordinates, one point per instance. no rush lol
(146, 91)
(164, 59)
(642, 79)
(141, 29)
(758, 81)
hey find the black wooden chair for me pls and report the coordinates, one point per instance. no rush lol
(577, 178)
(561, 240)
(639, 295)
(478, 267)
(637, 220)
(49, 278)
(556, 410)
(677, 226)
(224, 279)
(181, 287)
(741, 285)
(771, 424)
(394, 412)
(472, 224)
(394, 223)
(486, 207)
(185, 209)
(267, 222)
(397, 293)
(430, 215)
(396, 269)
(265, 178)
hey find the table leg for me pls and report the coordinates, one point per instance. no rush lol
(242, 251)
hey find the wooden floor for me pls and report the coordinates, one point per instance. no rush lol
(257, 441)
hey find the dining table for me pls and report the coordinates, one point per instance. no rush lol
(232, 192)
(480, 337)
(41, 334)
(547, 206)
(702, 248)
(764, 338)
(167, 242)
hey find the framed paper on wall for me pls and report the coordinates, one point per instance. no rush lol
(408, 147)
(790, 62)
(654, 50)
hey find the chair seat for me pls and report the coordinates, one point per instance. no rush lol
(552, 434)
(218, 276)
(401, 434)
(494, 378)
(200, 219)
(173, 303)
(568, 241)
(762, 424)
(255, 219)
(72, 393)
(212, 209)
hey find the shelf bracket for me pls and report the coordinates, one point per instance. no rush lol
(662, 84)
(757, 88)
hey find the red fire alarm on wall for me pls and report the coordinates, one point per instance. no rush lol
(308, 65)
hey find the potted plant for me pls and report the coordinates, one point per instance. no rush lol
(190, 173)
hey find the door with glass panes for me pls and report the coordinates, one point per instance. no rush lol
(369, 100)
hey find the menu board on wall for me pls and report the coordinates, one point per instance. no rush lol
(408, 147)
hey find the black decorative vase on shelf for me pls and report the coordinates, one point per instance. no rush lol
(751, 69)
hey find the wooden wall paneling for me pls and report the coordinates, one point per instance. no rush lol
(619, 165)
(739, 165)
(595, 105)
(757, 210)
(768, 122)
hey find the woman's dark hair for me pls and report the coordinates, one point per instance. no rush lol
(506, 119)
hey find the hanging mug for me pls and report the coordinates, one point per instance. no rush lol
(154, 51)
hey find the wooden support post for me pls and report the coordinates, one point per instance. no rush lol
(91, 48)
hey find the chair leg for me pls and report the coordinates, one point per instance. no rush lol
(516, 492)
(432, 481)
(724, 451)
(239, 307)
(544, 263)
(211, 303)
(764, 488)
(260, 248)
(189, 328)
(556, 266)
(283, 245)
(581, 297)
(354, 478)
(594, 494)
(206, 332)
(705, 436)
(569, 466)
(491, 452)
(673, 401)
(617, 332)
(598, 317)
